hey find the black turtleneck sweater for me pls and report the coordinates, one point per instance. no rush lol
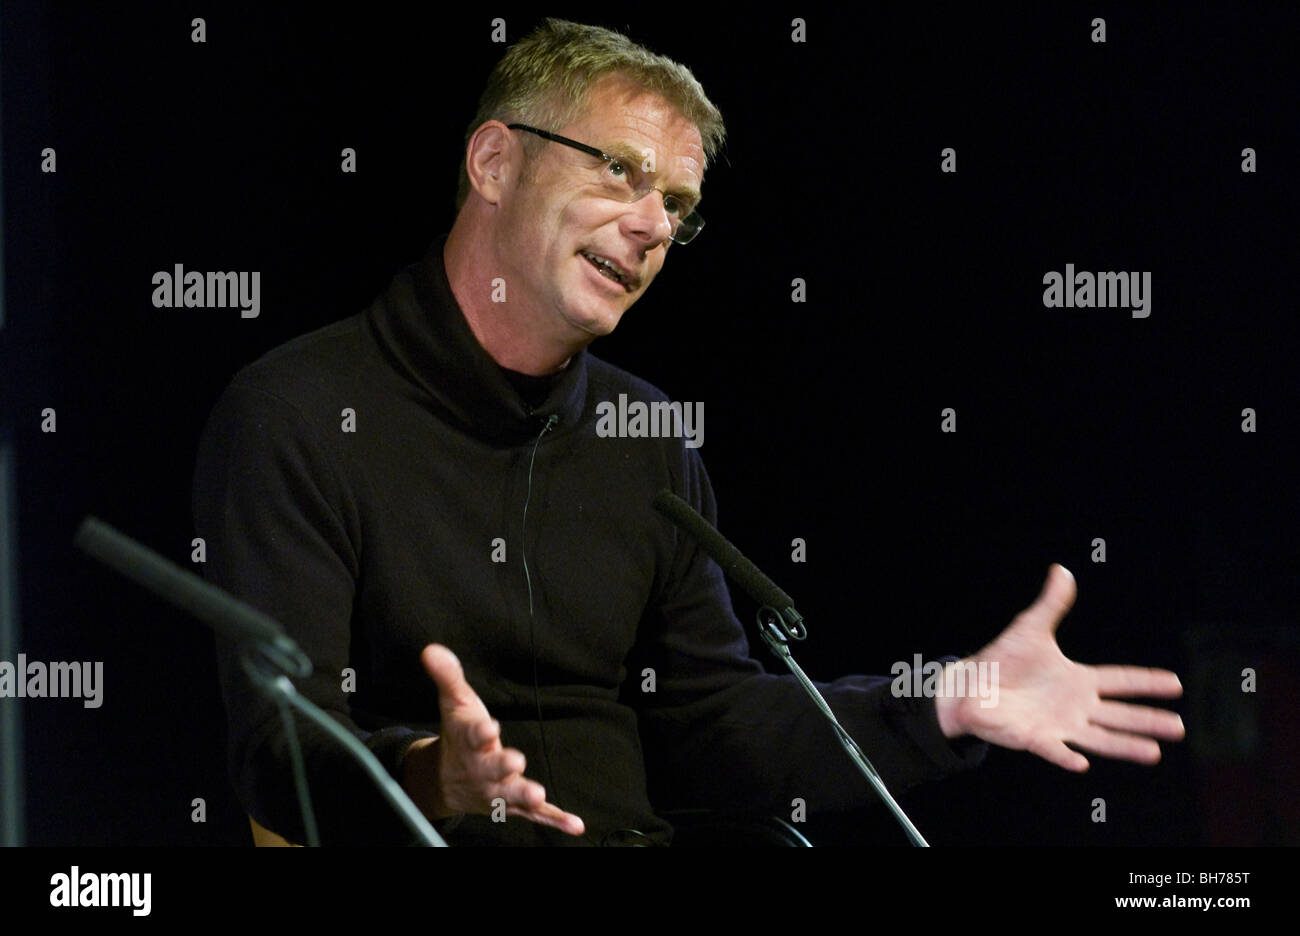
(355, 483)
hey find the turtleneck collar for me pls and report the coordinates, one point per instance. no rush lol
(420, 327)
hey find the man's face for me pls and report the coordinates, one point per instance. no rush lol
(557, 216)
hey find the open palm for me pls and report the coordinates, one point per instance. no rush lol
(1046, 701)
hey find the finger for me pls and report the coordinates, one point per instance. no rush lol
(1118, 745)
(549, 814)
(444, 669)
(1058, 753)
(1139, 720)
(500, 765)
(520, 792)
(1137, 681)
(1056, 598)
(484, 733)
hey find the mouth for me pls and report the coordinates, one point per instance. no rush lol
(610, 270)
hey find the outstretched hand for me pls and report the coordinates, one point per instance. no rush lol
(1046, 701)
(466, 768)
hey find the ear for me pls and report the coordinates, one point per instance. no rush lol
(492, 157)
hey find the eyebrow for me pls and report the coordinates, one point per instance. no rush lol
(631, 154)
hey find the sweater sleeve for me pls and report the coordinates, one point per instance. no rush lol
(281, 535)
(721, 732)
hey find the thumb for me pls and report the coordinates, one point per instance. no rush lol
(1056, 598)
(445, 670)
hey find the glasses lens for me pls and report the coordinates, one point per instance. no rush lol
(626, 183)
(621, 181)
(688, 228)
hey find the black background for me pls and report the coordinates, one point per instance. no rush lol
(822, 418)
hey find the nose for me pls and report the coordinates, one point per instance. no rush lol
(648, 218)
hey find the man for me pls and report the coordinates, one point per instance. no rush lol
(419, 495)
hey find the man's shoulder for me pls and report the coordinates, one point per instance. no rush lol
(622, 404)
(309, 369)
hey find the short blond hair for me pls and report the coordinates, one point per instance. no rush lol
(544, 80)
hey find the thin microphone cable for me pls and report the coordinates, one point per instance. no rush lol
(532, 637)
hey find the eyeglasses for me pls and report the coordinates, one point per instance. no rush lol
(622, 180)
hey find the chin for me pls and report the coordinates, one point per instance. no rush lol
(599, 317)
(598, 325)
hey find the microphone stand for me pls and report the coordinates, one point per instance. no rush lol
(266, 653)
(777, 630)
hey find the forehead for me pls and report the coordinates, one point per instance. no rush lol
(622, 115)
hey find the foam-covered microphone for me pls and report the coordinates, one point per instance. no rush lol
(733, 563)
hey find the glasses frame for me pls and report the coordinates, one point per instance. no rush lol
(697, 222)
